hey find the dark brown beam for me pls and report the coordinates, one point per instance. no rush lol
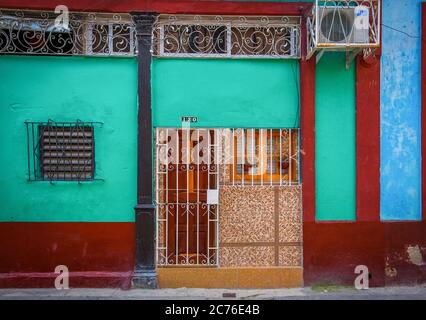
(145, 275)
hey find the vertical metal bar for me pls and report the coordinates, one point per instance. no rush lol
(110, 37)
(40, 150)
(316, 21)
(208, 205)
(132, 49)
(217, 213)
(177, 197)
(156, 179)
(161, 40)
(80, 144)
(229, 39)
(280, 159)
(198, 201)
(34, 152)
(271, 155)
(89, 39)
(298, 42)
(261, 158)
(28, 152)
(80, 154)
(167, 197)
(234, 165)
(93, 152)
(289, 157)
(243, 156)
(81, 149)
(187, 192)
(253, 149)
(59, 147)
(208, 158)
(298, 157)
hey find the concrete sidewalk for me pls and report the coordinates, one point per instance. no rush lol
(318, 293)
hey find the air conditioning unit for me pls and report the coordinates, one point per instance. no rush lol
(344, 25)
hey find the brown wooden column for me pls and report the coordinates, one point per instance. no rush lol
(145, 275)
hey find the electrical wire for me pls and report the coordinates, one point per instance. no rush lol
(400, 31)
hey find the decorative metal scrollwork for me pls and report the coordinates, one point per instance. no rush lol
(227, 36)
(35, 32)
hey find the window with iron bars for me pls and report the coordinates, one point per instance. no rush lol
(96, 34)
(261, 157)
(61, 151)
(227, 36)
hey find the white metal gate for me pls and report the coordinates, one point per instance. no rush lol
(186, 184)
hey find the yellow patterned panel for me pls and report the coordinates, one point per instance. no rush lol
(246, 214)
(247, 256)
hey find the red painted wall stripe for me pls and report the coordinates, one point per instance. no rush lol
(166, 6)
(368, 139)
(97, 254)
(423, 111)
(307, 126)
(331, 251)
(82, 246)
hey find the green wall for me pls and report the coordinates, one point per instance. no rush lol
(66, 89)
(335, 158)
(226, 93)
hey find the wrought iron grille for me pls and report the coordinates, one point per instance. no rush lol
(61, 151)
(187, 183)
(94, 34)
(265, 157)
(333, 25)
(227, 36)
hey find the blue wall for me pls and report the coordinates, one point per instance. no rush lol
(400, 111)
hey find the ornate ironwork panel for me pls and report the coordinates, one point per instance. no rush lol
(94, 34)
(187, 189)
(227, 36)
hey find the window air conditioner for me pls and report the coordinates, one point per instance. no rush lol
(344, 25)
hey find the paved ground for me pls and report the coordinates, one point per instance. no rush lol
(319, 293)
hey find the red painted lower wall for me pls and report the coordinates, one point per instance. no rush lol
(333, 250)
(96, 254)
(102, 254)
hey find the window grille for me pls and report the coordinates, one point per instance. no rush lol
(227, 36)
(94, 34)
(261, 157)
(61, 151)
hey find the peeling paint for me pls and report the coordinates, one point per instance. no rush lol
(415, 255)
(400, 112)
(390, 272)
